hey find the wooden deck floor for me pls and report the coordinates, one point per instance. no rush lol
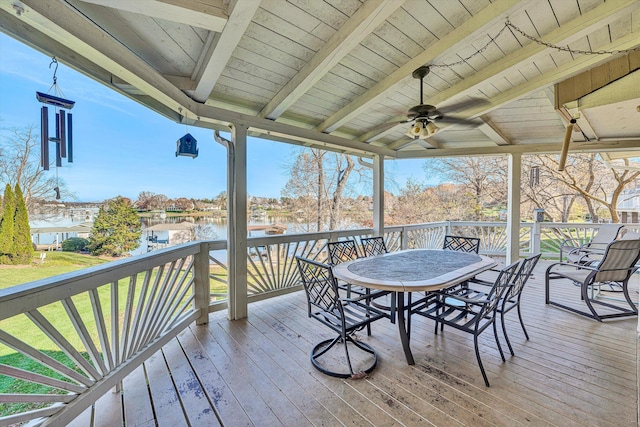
(572, 372)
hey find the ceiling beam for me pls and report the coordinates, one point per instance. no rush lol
(220, 52)
(284, 132)
(580, 147)
(568, 33)
(459, 37)
(211, 15)
(558, 74)
(494, 134)
(363, 22)
(573, 30)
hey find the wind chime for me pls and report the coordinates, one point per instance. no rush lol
(63, 138)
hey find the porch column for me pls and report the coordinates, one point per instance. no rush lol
(513, 208)
(378, 195)
(237, 223)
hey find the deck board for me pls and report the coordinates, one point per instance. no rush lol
(573, 371)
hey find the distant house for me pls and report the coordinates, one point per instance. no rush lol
(629, 206)
(162, 235)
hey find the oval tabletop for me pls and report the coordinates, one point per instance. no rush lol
(413, 269)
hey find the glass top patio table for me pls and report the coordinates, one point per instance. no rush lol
(411, 271)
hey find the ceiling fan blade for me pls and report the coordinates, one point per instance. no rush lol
(388, 125)
(463, 105)
(458, 121)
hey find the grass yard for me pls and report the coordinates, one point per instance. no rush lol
(54, 263)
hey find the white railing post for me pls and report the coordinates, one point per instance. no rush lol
(201, 286)
(538, 217)
(403, 238)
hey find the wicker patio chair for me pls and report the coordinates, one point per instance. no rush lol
(616, 267)
(473, 315)
(343, 316)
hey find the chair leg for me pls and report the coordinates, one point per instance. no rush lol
(495, 335)
(526, 335)
(475, 344)
(326, 345)
(504, 331)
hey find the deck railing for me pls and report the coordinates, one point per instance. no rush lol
(75, 336)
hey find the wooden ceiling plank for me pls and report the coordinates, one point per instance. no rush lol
(239, 20)
(455, 39)
(363, 22)
(210, 16)
(574, 30)
(559, 74)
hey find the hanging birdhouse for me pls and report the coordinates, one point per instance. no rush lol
(187, 146)
(63, 125)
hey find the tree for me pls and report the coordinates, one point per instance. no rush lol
(22, 245)
(20, 165)
(317, 187)
(116, 229)
(593, 181)
(483, 177)
(7, 226)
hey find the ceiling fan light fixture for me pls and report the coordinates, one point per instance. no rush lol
(432, 128)
(416, 129)
(422, 129)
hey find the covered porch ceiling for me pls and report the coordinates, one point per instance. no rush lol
(338, 73)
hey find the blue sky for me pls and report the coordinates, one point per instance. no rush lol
(123, 148)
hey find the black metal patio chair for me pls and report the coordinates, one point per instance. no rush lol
(473, 315)
(372, 246)
(616, 268)
(510, 299)
(461, 243)
(347, 250)
(343, 316)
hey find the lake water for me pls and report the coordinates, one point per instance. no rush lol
(210, 228)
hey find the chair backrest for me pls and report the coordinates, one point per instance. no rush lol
(462, 244)
(520, 278)
(618, 261)
(320, 286)
(498, 289)
(631, 235)
(606, 234)
(342, 251)
(372, 246)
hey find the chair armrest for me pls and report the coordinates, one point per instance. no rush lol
(475, 301)
(570, 264)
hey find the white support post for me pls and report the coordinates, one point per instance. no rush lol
(378, 195)
(513, 211)
(237, 241)
(201, 285)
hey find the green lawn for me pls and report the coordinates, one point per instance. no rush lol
(55, 263)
